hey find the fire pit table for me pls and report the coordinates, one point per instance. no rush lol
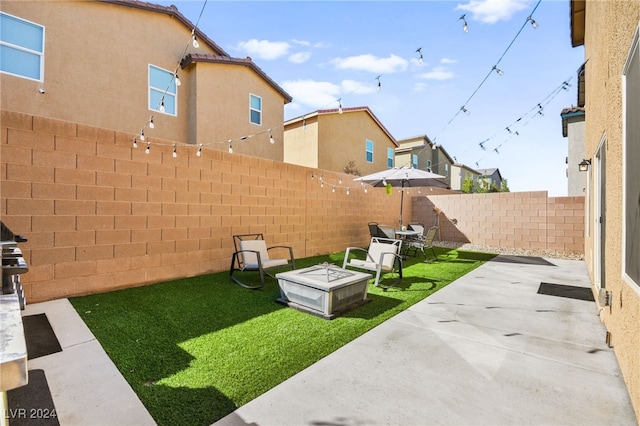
(323, 290)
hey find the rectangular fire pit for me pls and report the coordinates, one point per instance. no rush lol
(323, 290)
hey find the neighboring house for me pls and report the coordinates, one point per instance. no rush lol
(113, 64)
(421, 153)
(333, 140)
(459, 173)
(573, 128)
(492, 177)
(610, 34)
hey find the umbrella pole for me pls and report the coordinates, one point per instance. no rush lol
(401, 203)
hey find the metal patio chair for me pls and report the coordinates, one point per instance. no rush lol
(252, 254)
(383, 256)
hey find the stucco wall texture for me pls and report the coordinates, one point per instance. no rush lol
(609, 30)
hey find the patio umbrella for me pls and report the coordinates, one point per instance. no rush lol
(403, 177)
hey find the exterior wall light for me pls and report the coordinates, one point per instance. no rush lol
(584, 166)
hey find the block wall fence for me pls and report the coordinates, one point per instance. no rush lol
(101, 215)
(525, 220)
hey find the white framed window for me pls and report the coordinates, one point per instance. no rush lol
(630, 161)
(369, 151)
(255, 109)
(414, 161)
(163, 91)
(390, 157)
(21, 48)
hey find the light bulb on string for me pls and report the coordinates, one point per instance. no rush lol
(199, 153)
(434, 146)
(175, 152)
(333, 189)
(498, 70)
(465, 26)
(340, 106)
(194, 40)
(271, 140)
(146, 151)
(379, 84)
(465, 110)
(384, 182)
(348, 191)
(151, 125)
(161, 105)
(420, 59)
(135, 142)
(178, 82)
(496, 150)
(142, 134)
(534, 24)
(230, 147)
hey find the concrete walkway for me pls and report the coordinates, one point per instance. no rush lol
(487, 349)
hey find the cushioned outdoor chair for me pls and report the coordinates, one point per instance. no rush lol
(383, 256)
(381, 231)
(252, 254)
(422, 240)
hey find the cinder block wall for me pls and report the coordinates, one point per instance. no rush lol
(101, 215)
(527, 220)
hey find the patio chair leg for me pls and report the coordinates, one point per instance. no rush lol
(233, 269)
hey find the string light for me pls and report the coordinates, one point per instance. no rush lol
(271, 140)
(199, 153)
(465, 110)
(175, 152)
(142, 134)
(146, 151)
(161, 105)
(498, 70)
(230, 147)
(340, 106)
(151, 125)
(135, 142)
(379, 84)
(534, 24)
(465, 26)
(194, 40)
(177, 79)
(420, 59)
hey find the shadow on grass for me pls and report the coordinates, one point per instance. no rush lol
(195, 349)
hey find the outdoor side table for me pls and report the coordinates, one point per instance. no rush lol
(323, 290)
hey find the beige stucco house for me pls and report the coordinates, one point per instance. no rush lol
(459, 173)
(610, 32)
(421, 153)
(121, 65)
(343, 140)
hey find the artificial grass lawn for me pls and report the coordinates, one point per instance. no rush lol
(195, 349)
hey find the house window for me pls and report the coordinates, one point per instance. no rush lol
(446, 169)
(390, 154)
(163, 91)
(414, 161)
(255, 109)
(369, 151)
(630, 161)
(21, 48)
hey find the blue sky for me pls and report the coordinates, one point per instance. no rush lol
(322, 52)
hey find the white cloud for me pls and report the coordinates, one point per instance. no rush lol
(437, 73)
(356, 87)
(301, 42)
(372, 63)
(313, 94)
(300, 57)
(448, 61)
(492, 11)
(264, 49)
